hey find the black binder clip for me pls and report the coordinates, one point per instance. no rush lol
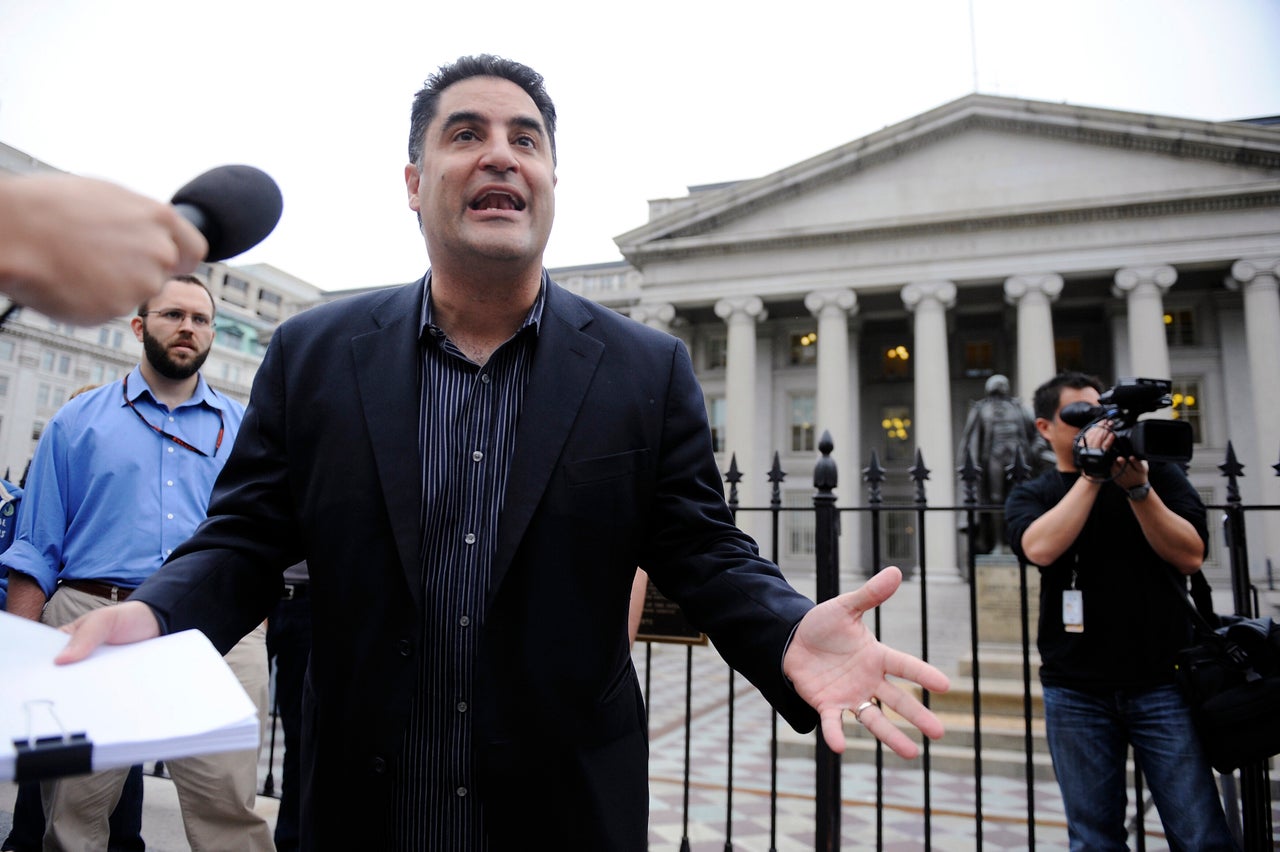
(50, 756)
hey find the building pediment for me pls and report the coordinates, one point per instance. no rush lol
(980, 159)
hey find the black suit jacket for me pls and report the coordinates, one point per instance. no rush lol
(612, 469)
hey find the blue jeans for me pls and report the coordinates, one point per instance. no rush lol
(1089, 735)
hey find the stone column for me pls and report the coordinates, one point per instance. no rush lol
(657, 315)
(1037, 362)
(837, 406)
(929, 301)
(741, 314)
(1258, 279)
(1143, 288)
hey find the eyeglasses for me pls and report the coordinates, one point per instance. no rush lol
(175, 317)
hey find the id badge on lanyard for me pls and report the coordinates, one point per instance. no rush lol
(1073, 606)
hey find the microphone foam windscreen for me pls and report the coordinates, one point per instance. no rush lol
(239, 205)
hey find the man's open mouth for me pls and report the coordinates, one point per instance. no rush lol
(497, 201)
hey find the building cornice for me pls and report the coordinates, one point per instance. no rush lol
(1261, 196)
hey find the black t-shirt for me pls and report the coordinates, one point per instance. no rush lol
(1133, 623)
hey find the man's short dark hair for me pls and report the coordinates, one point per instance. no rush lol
(185, 279)
(427, 100)
(1048, 394)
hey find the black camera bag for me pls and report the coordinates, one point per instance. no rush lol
(1230, 677)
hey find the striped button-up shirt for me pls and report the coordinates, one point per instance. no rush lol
(467, 431)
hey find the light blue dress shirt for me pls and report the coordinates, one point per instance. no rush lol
(108, 497)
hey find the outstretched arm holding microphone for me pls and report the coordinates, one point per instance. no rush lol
(83, 250)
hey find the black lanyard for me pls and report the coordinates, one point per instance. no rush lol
(222, 424)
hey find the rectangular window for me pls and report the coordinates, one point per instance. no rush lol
(802, 406)
(900, 537)
(715, 414)
(6, 350)
(716, 348)
(895, 420)
(95, 374)
(1187, 406)
(46, 360)
(895, 363)
(803, 349)
(979, 358)
(36, 429)
(117, 339)
(42, 395)
(4, 385)
(798, 522)
(268, 304)
(104, 336)
(1180, 328)
(235, 290)
(64, 364)
(1068, 353)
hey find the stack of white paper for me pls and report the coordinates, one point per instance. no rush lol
(156, 700)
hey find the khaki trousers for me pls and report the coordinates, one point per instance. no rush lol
(216, 792)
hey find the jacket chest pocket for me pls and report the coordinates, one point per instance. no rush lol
(608, 486)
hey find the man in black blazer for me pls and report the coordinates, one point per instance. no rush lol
(473, 466)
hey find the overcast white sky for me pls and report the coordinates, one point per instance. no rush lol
(653, 97)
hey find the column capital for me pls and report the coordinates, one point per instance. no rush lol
(820, 302)
(654, 314)
(1017, 286)
(1129, 279)
(748, 306)
(1249, 269)
(943, 292)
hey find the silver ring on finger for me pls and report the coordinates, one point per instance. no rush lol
(857, 711)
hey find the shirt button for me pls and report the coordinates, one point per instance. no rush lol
(169, 516)
(168, 550)
(170, 418)
(462, 792)
(469, 539)
(405, 647)
(379, 766)
(477, 455)
(484, 378)
(169, 483)
(170, 449)
(462, 706)
(465, 621)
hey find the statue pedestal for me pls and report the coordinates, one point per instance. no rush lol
(999, 618)
(999, 600)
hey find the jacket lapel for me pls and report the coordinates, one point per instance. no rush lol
(388, 367)
(564, 363)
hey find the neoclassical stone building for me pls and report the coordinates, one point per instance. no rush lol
(871, 290)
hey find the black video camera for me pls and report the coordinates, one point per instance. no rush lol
(1117, 411)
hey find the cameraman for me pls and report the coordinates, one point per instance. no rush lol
(1109, 629)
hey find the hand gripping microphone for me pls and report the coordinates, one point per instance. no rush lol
(234, 207)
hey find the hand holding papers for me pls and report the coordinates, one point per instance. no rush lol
(155, 700)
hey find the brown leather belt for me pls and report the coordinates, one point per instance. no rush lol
(99, 589)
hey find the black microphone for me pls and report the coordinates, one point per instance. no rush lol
(234, 207)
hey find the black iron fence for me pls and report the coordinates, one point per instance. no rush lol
(1247, 793)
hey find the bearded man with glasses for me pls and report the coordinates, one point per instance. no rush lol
(121, 476)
